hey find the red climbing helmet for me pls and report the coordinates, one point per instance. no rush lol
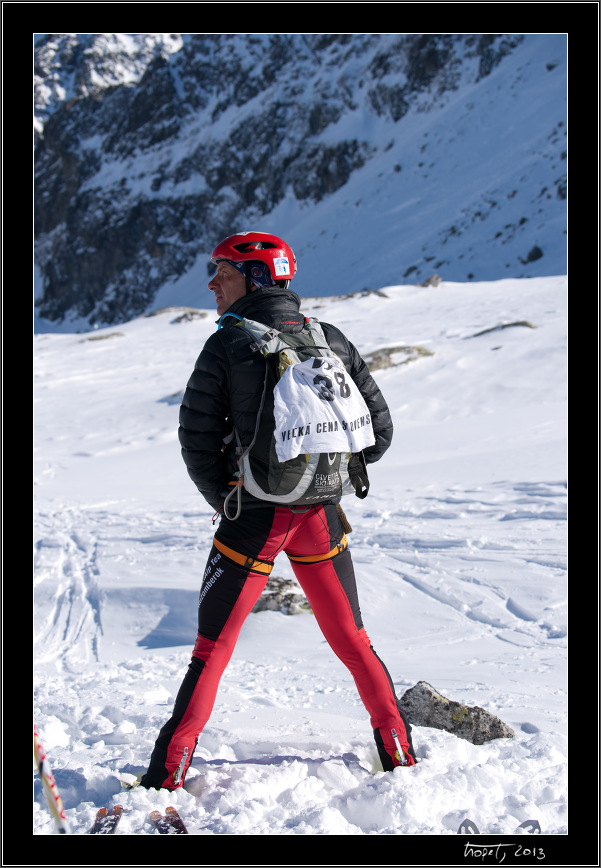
(259, 247)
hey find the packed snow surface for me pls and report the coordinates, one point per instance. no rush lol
(459, 550)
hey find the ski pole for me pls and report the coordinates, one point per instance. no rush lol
(50, 789)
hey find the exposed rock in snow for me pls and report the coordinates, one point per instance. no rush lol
(425, 706)
(282, 595)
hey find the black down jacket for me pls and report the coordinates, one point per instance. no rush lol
(227, 382)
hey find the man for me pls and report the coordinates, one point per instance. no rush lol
(254, 270)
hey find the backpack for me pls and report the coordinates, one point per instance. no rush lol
(312, 423)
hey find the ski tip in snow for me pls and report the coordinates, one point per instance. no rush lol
(531, 827)
(169, 823)
(468, 828)
(105, 822)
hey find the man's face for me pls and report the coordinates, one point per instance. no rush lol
(228, 285)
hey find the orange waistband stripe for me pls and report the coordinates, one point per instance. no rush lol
(315, 559)
(243, 560)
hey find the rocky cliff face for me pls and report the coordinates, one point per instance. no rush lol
(152, 147)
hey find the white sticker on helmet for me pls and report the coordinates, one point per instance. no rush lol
(281, 266)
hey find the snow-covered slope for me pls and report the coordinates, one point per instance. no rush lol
(460, 553)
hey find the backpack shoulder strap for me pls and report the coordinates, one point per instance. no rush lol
(269, 340)
(264, 339)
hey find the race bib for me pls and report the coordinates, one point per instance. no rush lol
(318, 408)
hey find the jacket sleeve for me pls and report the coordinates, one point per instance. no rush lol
(373, 397)
(202, 423)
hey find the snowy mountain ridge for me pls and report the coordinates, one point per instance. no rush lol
(381, 158)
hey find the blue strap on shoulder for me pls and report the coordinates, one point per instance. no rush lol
(224, 316)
